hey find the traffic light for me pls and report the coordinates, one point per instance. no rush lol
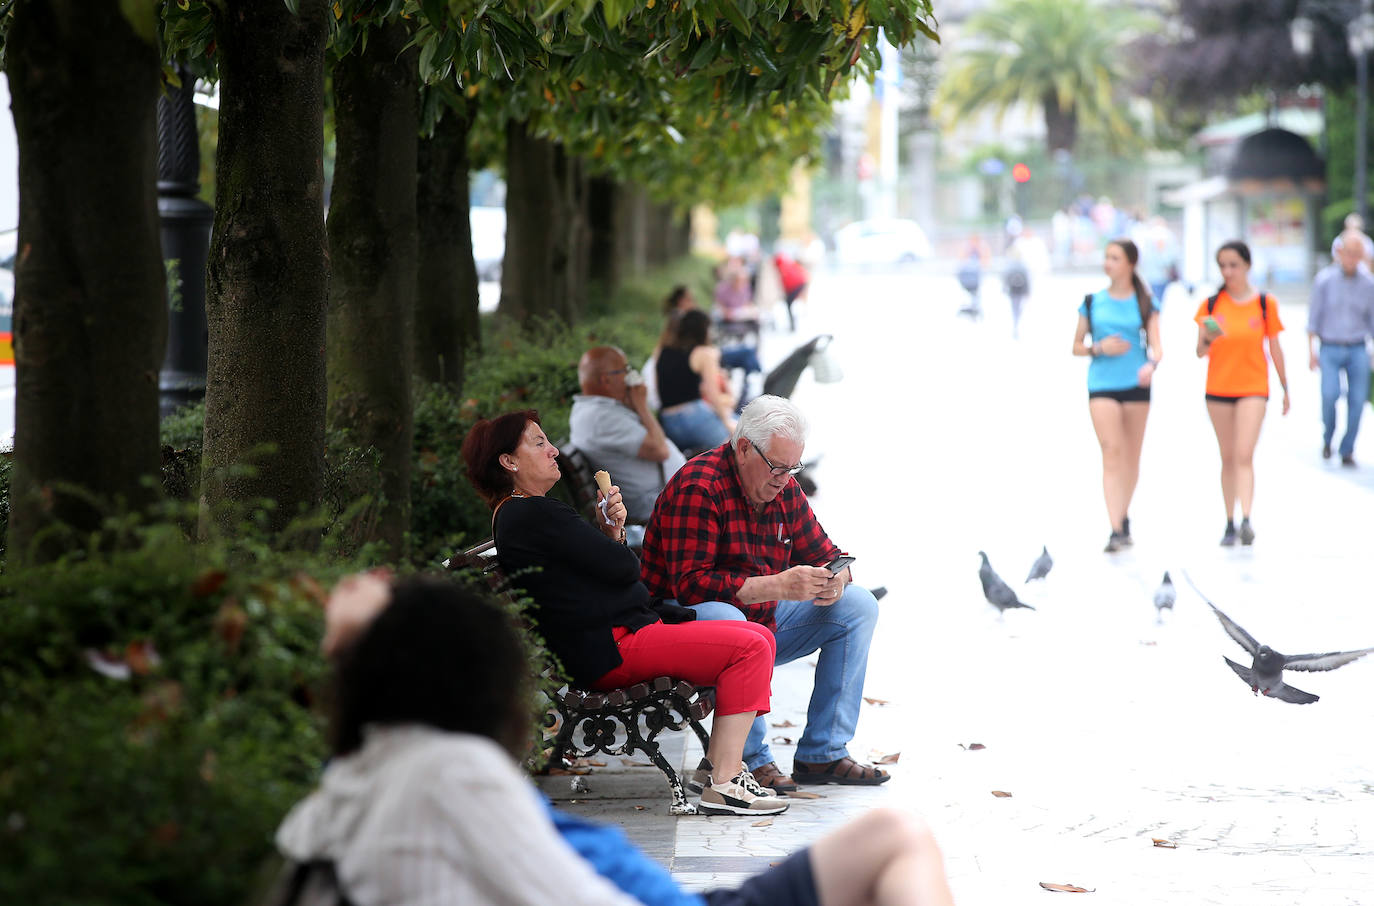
(1020, 173)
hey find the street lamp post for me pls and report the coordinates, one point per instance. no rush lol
(1360, 33)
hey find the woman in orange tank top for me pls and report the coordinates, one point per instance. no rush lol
(1234, 327)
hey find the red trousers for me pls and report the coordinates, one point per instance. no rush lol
(735, 656)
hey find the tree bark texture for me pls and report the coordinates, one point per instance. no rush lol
(446, 323)
(572, 256)
(536, 235)
(90, 318)
(603, 261)
(373, 259)
(266, 287)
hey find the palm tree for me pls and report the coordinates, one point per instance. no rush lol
(1065, 56)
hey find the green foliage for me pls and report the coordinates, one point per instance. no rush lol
(529, 367)
(1041, 52)
(1340, 165)
(163, 786)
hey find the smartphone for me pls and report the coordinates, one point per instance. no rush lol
(838, 564)
(1211, 324)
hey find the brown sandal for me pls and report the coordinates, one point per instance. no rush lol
(771, 777)
(844, 770)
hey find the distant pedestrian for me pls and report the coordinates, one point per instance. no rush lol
(794, 283)
(1123, 320)
(1233, 328)
(1341, 315)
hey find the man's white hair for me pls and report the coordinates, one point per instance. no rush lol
(768, 416)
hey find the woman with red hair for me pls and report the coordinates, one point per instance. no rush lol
(596, 615)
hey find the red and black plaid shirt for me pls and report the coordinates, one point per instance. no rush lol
(704, 539)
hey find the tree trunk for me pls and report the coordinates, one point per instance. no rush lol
(446, 323)
(603, 262)
(571, 259)
(266, 288)
(632, 226)
(90, 318)
(533, 233)
(373, 258)
(1061, 124)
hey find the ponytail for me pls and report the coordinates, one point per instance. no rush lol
(1144, 299)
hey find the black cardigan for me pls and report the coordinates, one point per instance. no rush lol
(581, 582)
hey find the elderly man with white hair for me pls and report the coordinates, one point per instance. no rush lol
(1341, 317)
(733, 536)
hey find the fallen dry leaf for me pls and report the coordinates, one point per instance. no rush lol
(640, 808)
(1001, 794)
(973, 746)
(1164, 844)
(631, 763)
(889, 759)
(876, 701)
(805, 794)
(782, 740)
(1066, 888)
(785, 724)
(1149, 643)
(764, 823)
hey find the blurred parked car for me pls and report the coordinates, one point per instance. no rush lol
(882, 241)
(488, 241)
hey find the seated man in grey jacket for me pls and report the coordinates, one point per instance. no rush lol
(612, 424)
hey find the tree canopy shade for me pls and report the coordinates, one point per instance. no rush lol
(1062, 56)
(1224, 49)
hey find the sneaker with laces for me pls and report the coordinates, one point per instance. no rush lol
(1126, 539)
(701, 778)
(733, 798)
(1115, 543)
(1229, 538)
(1247, 534)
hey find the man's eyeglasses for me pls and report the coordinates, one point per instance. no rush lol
(624, 370)
(777, 470)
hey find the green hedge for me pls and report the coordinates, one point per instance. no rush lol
(164, 784)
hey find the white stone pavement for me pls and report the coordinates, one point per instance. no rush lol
(1108, 730)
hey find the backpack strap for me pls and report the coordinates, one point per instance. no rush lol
(1212, 303)
(1264, 311)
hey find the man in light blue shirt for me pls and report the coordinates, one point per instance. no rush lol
(612, 424)
(1341, 316)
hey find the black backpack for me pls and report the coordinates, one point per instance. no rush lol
(1146, 309)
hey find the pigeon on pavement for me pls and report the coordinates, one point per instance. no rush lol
(998, 593)
(1165, 596)
(1042, 565)
(1264, 676)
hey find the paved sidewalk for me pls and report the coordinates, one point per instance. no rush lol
(947, 438)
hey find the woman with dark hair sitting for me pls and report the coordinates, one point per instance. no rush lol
(424, 804)
(596, 615)
(697, 411)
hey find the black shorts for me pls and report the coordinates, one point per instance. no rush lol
(1232, 400)
(792, 294)
(790, 882)
(1130, 395)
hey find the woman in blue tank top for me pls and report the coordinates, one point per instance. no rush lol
(1123, 320)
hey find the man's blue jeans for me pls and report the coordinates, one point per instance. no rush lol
(1354, 361)
(842, 632)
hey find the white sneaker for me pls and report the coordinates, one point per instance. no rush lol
(700, 779)
(733, 798)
